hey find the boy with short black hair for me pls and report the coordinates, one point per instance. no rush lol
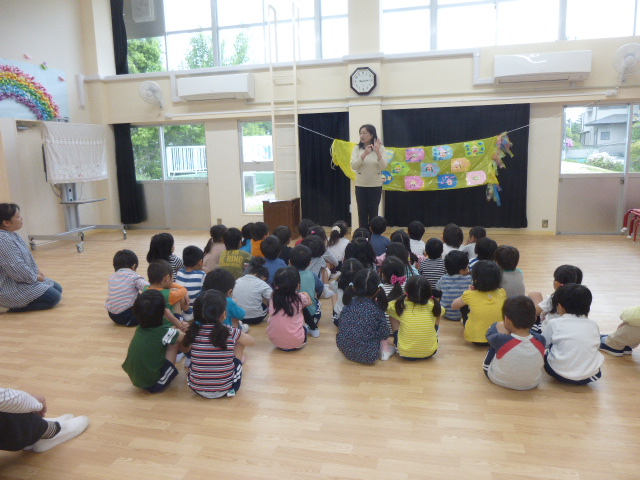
(485, 250)
(310, 284)
(124, 286)
(284, 235)
(191, 276)
(507, 258)
(416, 232)
(270, 250)
(259, 231)
(160, 274)
(234, 259)
(432, 267)
(573, 339)
(475, 234)
(379, 242)
(515, 357)
(151, 357)
(303, 229)
(222, 281)
(454, 283)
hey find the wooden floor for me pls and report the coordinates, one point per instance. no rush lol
(312, 414)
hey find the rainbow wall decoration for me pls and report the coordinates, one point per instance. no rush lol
(24, 97)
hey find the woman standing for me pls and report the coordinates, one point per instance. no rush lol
(368, 160)
(23, 287)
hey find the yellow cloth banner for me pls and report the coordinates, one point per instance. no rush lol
(442, 167)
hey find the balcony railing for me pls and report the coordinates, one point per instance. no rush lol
(186, 160)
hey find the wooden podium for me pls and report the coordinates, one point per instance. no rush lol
(282, 212)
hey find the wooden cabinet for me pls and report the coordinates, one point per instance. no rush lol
(282, 212)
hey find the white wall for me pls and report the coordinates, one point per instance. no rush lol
(82, 45)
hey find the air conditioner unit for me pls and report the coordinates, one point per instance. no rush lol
(542, 67)
(216, 87)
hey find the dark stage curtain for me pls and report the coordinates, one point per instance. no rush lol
(324, 192)
(132, 204)
(467, 206)
(119, 37)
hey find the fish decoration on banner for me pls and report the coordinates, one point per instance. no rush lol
(440, 167)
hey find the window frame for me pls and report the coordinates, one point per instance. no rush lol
(244, 167)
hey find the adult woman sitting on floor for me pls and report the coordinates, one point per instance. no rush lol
(23, 287)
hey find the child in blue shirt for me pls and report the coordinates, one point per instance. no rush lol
(454, 283)
(379, 242)
(270, 248)
(311, 284)
(223, 281)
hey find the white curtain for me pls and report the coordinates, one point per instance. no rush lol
(74, 152)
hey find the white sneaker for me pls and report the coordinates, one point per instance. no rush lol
(179, 357)
(245, 328)
(187, 362)
(68, 429)
(327, 292)
(61, 418)
(314, 333)
(386, 351)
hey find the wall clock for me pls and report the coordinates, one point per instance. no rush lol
(363, 80)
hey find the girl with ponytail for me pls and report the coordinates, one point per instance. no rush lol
(216, 350)
(415, 317)
(362, 325)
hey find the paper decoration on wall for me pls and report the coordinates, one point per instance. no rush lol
(30, 92)
(74, 152)
(457, 165)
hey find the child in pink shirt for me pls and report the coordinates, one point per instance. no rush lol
(286, 328)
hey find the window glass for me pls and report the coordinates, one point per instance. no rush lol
(406, 31)
(597, 19)
(146, 55)
(584, 148)
(395, 4)
(465, 27)
(185, 152)
(335, 38)
(187, 14)
(634, 161)
(256, 165)
(230, 14)
(454, 2)
(190, 50)
(333, 7)
(147, 153)
(541, 25)
(240, 46)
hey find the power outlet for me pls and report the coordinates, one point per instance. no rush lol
(545, 223)
(219, 221)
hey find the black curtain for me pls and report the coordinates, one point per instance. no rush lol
(467, 206)
(132, 204)
(119, 37)
(324, 192)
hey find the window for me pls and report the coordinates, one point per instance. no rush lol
(595, 139)
(191, 34)
(256, 165)
(175, 152)
(422, 25)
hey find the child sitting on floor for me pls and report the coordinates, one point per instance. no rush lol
(507, 258)
(191, 276)
(311, 285)
(452, 238)
(573, 339)
(124, 286)
(416, 232)
(485, 299)
(432, 267)
(270, 248)
(379, 242)
(475, 234)
(234, 259)
(151, 357)
(516, 356)
(217, 351)
(286, 328)
(252, 292)
(162, 247)
(175, 296)
(415, 317)
(214, 248)
(222, 281)
(454, 283)
(627, 337)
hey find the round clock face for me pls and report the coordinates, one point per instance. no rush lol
(363, 80)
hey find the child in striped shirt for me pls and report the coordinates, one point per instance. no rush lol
(192, 276)
(124, 286)
(454, 283)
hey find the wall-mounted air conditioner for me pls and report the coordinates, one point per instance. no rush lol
(216, 87)
(542, 67)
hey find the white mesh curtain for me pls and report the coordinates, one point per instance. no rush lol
(74, 152)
